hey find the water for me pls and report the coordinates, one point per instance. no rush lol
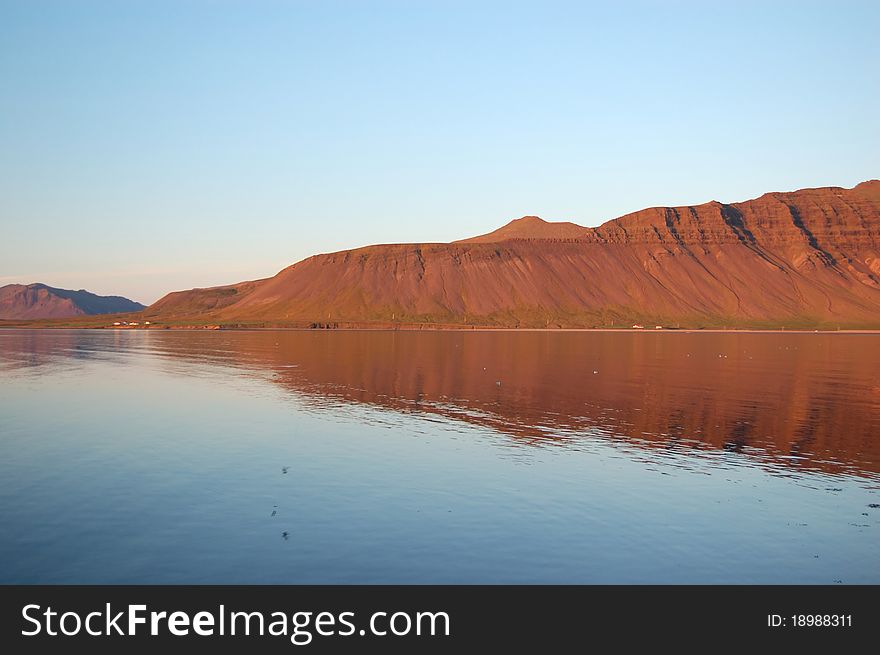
(447, 457)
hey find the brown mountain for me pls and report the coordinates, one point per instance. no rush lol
(803, 258)
(33, 301)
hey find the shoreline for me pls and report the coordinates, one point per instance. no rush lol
(416, 328)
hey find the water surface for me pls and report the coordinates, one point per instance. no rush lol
(582, 457)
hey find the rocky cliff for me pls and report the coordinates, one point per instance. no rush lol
(802, 258)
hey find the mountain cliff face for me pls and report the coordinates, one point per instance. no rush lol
(33, 301)
(804, 258)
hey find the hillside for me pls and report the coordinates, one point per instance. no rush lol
(38, 301)
(802, 258)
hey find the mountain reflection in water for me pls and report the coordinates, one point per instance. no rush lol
(160, 456)
(788, 400)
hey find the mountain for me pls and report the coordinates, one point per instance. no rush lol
(31, 301)
(804, 258)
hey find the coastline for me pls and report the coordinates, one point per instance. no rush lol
(410, 327)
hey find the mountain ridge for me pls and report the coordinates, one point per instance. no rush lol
(39, 301)
(807, 257)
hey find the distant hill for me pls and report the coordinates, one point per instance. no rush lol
(803, 258)
(32, 301)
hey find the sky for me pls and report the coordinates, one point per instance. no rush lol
(147, 147)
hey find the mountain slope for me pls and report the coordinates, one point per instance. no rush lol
(809, 257)
(33, 301)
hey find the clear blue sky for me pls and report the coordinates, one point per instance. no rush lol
(153, 146)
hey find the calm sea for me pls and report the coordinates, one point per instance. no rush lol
(450, 457)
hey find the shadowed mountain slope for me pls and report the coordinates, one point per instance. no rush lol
(35, 301)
